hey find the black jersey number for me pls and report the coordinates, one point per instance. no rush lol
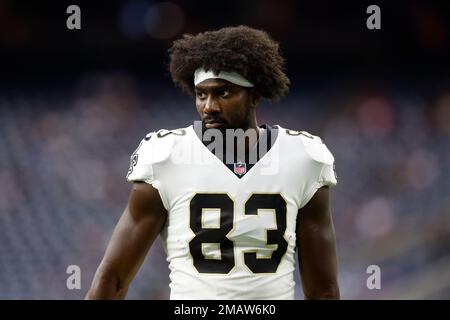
(217, 235)
(224, 204)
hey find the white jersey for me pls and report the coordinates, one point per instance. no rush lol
(230, 237)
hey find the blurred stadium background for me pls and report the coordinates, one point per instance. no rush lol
(75, 104)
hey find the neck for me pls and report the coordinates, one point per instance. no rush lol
(253, 125)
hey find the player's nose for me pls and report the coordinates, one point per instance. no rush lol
(211, 105)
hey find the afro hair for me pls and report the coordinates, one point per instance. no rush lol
(250, 52)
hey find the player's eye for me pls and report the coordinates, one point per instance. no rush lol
(200, 94)
(224, 93)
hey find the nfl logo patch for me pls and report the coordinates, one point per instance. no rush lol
(240, 168)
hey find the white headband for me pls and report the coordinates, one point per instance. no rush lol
(233, 77)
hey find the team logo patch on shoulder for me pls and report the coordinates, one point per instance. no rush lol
(133, 163)
(240, 168)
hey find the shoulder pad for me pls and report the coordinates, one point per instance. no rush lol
(316, 149)
(163, 142)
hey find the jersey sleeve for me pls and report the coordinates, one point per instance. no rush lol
(322, 167)
(151, 161)
(141, 162)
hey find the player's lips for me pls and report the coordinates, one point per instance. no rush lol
(213, 124)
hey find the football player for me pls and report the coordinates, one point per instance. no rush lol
(230, 222)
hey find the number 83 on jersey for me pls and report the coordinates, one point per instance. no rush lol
(213, 220)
